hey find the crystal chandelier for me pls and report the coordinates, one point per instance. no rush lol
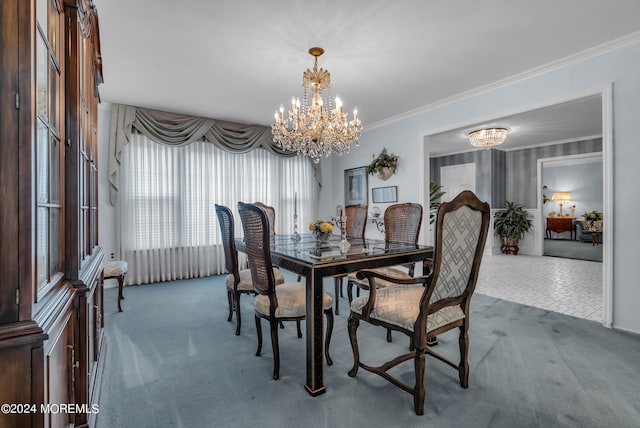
(488, 137)
(316, 127)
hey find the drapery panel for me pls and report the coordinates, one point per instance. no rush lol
(168, 225)
(175, 129)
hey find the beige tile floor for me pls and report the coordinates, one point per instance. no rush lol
(571, 287)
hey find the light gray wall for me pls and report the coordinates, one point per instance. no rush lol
(106, 217)
(619, 68)
(522, 168)
(584, 181)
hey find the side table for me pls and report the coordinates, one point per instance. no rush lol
(559, 225)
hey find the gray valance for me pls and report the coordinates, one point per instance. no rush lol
(175, 129)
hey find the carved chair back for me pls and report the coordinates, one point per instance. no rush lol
(402, 222)
(255, 226)
(461, 233)
(356, 220)
(271, 216)
(225, 219)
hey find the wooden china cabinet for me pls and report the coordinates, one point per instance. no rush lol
(51, 312)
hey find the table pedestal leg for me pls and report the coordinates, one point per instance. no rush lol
(315, 339)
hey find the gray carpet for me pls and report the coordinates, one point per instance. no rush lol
(572, 249)
(172, 360)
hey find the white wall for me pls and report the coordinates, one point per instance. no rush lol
(620, 67)
(106, 213)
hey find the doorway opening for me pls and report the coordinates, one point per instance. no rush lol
(565, 234)
(533, 127)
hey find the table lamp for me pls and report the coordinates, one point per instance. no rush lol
(561, 198)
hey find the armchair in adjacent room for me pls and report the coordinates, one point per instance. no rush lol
(585, 229)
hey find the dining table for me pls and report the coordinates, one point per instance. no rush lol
(303, 255)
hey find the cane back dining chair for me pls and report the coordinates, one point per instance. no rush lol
(238, 281)
(271, 216)
(401, 224)
(355, 227)
(427, 306)
(286, 302)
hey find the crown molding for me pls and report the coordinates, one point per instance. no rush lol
(572, 160)
(553, 143)
(532, 146)
(546, 68)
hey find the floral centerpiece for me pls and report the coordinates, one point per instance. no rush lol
(590, 218)
(321, 230)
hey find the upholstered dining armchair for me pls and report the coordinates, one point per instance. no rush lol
(427, 306)
(355, 227)
(286, 302)
(238, 281)
(401, 224)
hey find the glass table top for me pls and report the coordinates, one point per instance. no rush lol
(308, 250)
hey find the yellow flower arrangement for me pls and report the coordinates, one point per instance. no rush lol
(321, 226)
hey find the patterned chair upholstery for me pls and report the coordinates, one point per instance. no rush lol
(356, 225)
(584, 230)
(238, 281)
(285, 302)
(427, 306)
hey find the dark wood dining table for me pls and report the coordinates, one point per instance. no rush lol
(315, 262)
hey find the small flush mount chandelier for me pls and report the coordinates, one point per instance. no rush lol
(316, 127)
(488, 137)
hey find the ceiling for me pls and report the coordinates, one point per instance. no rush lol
(240, 60)
(569, 121)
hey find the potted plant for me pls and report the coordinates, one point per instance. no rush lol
(435, 193)
(591, 218)
(384, 165)
(545, 199)
(511, 223)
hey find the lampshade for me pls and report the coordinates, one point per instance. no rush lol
(488, 137)
(561, 197)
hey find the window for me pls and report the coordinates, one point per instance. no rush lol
(168, 195)
(49, 147)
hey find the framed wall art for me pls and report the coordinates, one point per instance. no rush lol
(384, 194)
(355, 186)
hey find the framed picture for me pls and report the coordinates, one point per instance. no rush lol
(384, 194)
(355, 186)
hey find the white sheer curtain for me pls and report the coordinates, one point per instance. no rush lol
(168, 225)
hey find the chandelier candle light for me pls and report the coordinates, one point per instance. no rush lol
(316, 127)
